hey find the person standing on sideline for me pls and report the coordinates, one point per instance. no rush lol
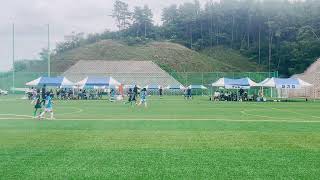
(160, 92)
(189, 93)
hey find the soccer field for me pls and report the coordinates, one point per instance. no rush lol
(171, 139)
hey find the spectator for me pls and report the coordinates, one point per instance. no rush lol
(160, 91)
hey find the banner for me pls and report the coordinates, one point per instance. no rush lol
(288, 86)
(236, 87)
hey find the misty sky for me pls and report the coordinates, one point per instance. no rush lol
(64, 16)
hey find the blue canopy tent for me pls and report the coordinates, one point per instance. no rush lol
(101, 82)
(51, 81)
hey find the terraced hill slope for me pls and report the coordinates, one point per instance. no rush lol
(169, 56)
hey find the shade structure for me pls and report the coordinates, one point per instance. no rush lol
(197, 87)
(175, 87)
(51, 81)
(153, 87)
(131, 86)
(228, 83)
(284, 83)
(102, 82)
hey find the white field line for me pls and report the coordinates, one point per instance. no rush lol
(78, 110)
(317, 117)
(164, 119)
(245, 112)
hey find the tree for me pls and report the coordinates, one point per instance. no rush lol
(142, 21)
(282, 35)
(122, 14)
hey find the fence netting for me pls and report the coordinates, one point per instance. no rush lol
(184, 78)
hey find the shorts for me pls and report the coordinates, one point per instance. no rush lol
(38, 106)
(48, 109)
(143, 100)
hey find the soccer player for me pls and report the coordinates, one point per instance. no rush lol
(48, 107)
(43, 92)
(112, 95)
(37, 107)
(34, 96)
(121, 90)
(130, 97)
(143, 97)
(135, 92)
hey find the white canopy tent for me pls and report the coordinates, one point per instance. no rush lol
(197, 87)
(98, 82)
(283, 85)
(51, 81)
(244, 83)
(175, 87)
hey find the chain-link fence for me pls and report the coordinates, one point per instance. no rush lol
(312, 92)
(197, 78)
(174, 78)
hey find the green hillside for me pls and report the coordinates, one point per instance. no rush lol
(232, 57)
(169, 56)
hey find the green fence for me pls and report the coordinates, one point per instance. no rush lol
(7, 81)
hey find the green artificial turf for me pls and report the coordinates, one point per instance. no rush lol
(171, 139)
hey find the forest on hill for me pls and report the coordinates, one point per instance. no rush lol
(281, 35)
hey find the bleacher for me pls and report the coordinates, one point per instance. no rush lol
(127, 72)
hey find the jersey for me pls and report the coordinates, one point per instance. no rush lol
(48, 102)
(143, 94)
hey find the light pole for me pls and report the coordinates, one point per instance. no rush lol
(49, 54)
(13, 60)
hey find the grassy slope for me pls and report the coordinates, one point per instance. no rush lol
(170, 56)
(233, 57)
(31, 149)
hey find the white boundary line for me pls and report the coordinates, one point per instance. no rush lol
(225, 120)
(16, 115)
(269, 117)
(317, 117)
(79, 110)
(150, 119)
